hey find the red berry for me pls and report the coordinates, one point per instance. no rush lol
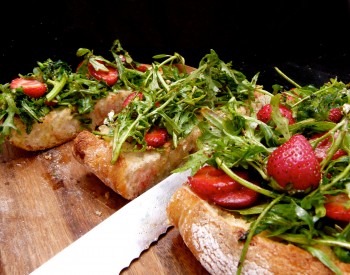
(157, 137)
(110, 76)
(336, 207)
(143, 67)
(214, 185)
(264, 114)
(31, 87)
(130, 97)
(210, 181)
(335, 115)
(294, 165)
(322, 147)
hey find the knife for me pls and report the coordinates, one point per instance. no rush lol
(110, 247)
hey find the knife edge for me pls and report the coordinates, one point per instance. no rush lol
(112, 245)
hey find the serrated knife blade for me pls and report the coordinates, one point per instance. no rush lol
(111, 246)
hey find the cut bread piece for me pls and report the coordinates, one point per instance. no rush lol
(134, 172)
(60, 126)
(213, 236)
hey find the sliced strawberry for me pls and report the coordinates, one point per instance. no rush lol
(322, 148)
(210, 181)
(156, 137)
(338, 207)
(130, 97)
(31, 87)
(264, 114)
(241, 198)
(335, 115)
(294, 165)
(215, 185)
(142, 67)
(110, 76)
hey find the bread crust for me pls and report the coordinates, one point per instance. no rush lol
(134, 172)
(60, 126)
(213, 234)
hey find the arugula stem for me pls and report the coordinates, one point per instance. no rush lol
(329, 242)
(244, 182)
(262, 91)
(323, 258)
(330, 132)
(287, 78)
(119, 141)
(314, 94)
(30, 112)
(57, 87)
(252, 229)
(161, 79)
(333, 149)
(12, 110)
(261, 172)
(172, 58)
(161, 107)
(344, 174)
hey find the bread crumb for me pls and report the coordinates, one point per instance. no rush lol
(48, 156)
(98, 213)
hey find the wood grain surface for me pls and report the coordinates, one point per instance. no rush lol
(48, 200)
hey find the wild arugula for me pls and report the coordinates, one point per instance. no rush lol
(66, 90)
(231, 139)
(76, 90)
(212, 98)
(172, 98)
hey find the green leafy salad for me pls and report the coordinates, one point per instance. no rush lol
(54, 85)
(242, 126)
(311, 217)
(169, 97)
(225, 106)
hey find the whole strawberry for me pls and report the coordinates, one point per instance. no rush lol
(294, 165)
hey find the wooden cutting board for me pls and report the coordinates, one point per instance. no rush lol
(48, 200)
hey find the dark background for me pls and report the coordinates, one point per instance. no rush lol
(305, 39)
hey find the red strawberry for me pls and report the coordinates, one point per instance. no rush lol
(143, 67)
(323, 146)
(110, 76)
(156, 137)
(294, 165)
(130, 97)
(31, 87)
(336, 207)
(335, 115)
(213, 184)
(264, 114)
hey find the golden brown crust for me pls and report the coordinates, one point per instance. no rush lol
(57, 127)
(134, 172)
(60, 126)
(213, 235)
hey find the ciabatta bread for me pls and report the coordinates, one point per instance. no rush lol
(60, 126)
(134, 172)
(213, 236)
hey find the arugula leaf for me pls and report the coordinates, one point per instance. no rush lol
(233, 139)
(66, 89)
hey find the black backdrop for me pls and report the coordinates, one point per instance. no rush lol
(306, 39)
